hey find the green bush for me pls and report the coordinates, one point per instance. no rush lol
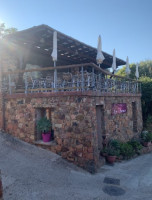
(149, 120)
(143, 134)
(126, 150)
(145, 71)
(135, 145)
(114, 144)
(113, 152)
(146, 136)
(148, 123)
(104, 150)
(146, 98)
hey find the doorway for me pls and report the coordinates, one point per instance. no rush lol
(134, 116)
(100, 125)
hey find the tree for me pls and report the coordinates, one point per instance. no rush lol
(145, 69)
(145, 72)
(146, 86)
(5, 31)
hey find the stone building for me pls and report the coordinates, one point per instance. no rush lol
(85, 103)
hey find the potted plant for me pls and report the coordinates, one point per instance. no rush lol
(44, 126)
(103, 152)
(146, 139)
(112, 153)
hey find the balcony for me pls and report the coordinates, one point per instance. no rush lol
(80, 77)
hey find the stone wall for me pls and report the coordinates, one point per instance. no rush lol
(73, 116)
(120, 126)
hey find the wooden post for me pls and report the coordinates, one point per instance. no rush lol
(77, 84)
(20, 57)
(82, 78)
(26, 82)
(140, 87)
(10, 84)
(137, 87)
(99, 81)
(73, 83)
(1, 187)
(115, 86)
(92, 76)
(55, 77)
(106, 84)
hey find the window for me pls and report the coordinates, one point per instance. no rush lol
(41, 112)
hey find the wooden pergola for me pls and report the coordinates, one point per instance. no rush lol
(39, 39)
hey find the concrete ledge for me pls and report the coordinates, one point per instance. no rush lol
(51, 143)
(71, 93)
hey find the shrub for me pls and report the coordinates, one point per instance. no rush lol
(115, 144)
(135, 145)
(143, 134)
(113, 152)
(149, 120)
(126, 150)
(104, 151)
(146, 136)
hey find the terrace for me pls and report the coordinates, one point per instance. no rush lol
(78, 77)
(32, 49)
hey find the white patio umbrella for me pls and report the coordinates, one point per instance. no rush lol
(100, 57)
(127, 66)
(54, 52)
(114, 61)
(137, 72)
(54, 56)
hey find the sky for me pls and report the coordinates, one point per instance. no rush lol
(125, 25)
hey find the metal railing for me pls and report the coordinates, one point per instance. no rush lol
(80, 78)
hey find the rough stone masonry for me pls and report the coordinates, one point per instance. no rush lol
(74, 118)
(74, 121)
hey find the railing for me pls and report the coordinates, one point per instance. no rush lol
(80, 78)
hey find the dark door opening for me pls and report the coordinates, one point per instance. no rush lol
(100, 125)
(134, 116)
